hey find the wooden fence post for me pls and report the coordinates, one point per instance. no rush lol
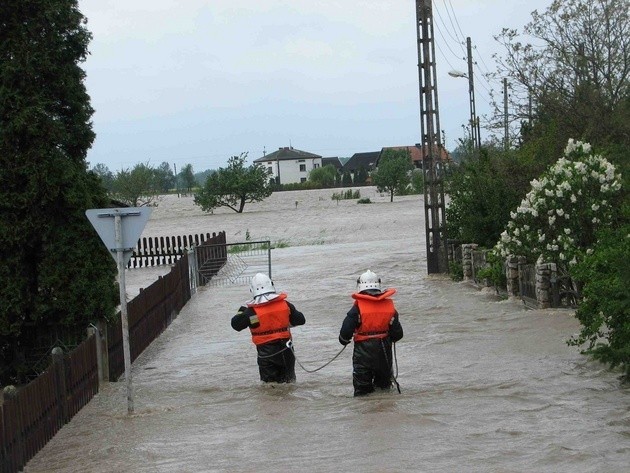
(13, 460)
(94, 330)
(101, 325)
(60, 374)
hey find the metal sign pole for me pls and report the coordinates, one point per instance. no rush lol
(123, 309)
(120, 240)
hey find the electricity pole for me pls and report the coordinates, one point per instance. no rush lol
(474, 119)
(432, 165)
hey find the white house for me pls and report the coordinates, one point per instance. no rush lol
(289, 165)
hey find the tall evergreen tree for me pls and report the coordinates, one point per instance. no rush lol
(55, 274)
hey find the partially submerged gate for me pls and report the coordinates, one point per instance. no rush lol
(228, 264)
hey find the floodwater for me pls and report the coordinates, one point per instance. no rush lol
(487, 385)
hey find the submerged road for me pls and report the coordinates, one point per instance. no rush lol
(487, 385)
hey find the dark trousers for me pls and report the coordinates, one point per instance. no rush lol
(372, 365)
(276, 362)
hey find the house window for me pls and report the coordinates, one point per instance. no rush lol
(315, 165)
(270, 169)
(269, 162)
(302, 179)
(301, 161)
(303, 168)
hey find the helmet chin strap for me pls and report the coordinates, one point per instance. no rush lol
(264, 298)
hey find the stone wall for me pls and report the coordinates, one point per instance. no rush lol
(546, 274)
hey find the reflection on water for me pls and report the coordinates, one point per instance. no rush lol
(486, 386)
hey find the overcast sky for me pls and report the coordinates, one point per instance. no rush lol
(197, 81)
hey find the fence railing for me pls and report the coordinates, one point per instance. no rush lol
(30, 416)
(233, 263)
(527, 284)
(538, 285)
(157, 251)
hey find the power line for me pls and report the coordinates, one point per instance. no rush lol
(454, 16)
(444, 56)
(454, 38)
(449, 47)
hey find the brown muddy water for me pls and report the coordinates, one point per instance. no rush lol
(487, 385)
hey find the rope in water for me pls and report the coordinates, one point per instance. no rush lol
(290, 345)
(395, 376)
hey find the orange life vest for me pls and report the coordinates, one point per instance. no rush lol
(274, 320)
(376, 314)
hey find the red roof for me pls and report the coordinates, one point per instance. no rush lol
(419, 154)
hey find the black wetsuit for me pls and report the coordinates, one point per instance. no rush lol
(371, 359)
(276, 363)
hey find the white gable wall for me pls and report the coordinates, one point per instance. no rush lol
(292, 170)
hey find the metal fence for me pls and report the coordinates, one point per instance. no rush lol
(527, 284)
(233, 263)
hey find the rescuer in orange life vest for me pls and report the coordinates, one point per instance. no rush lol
(269, 317)
(373, 322)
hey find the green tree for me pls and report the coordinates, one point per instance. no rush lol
(165, 179)
(324, 176)
(55, 274)
(417, 181)
(360, 176)
(604, 311)
(137, 187)
(482, 192)
(187, 177)
(575, 78)
(105, 175)
(346, 179)
(201, 177)
(234, 186)
(393, 171)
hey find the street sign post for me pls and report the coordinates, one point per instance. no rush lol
(120, 240)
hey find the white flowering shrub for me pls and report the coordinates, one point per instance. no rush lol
(558, 218)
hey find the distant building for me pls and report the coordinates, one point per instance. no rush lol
(289, 165)
(418, 154)
(334, 161)
(366, 161)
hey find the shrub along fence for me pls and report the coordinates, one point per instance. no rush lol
(30, 416)
(539, 285)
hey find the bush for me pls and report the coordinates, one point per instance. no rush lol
(346, 195)
(482, 192)
(558, 218)
(494, 272)
(365, 200)
(456, 270)
(604, 311)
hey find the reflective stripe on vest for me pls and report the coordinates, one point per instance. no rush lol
(274, 321)
(376, 314)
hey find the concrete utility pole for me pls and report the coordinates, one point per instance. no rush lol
(474, 119)
(430, 146)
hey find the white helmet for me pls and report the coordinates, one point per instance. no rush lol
(261, 284)
(368, 280)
